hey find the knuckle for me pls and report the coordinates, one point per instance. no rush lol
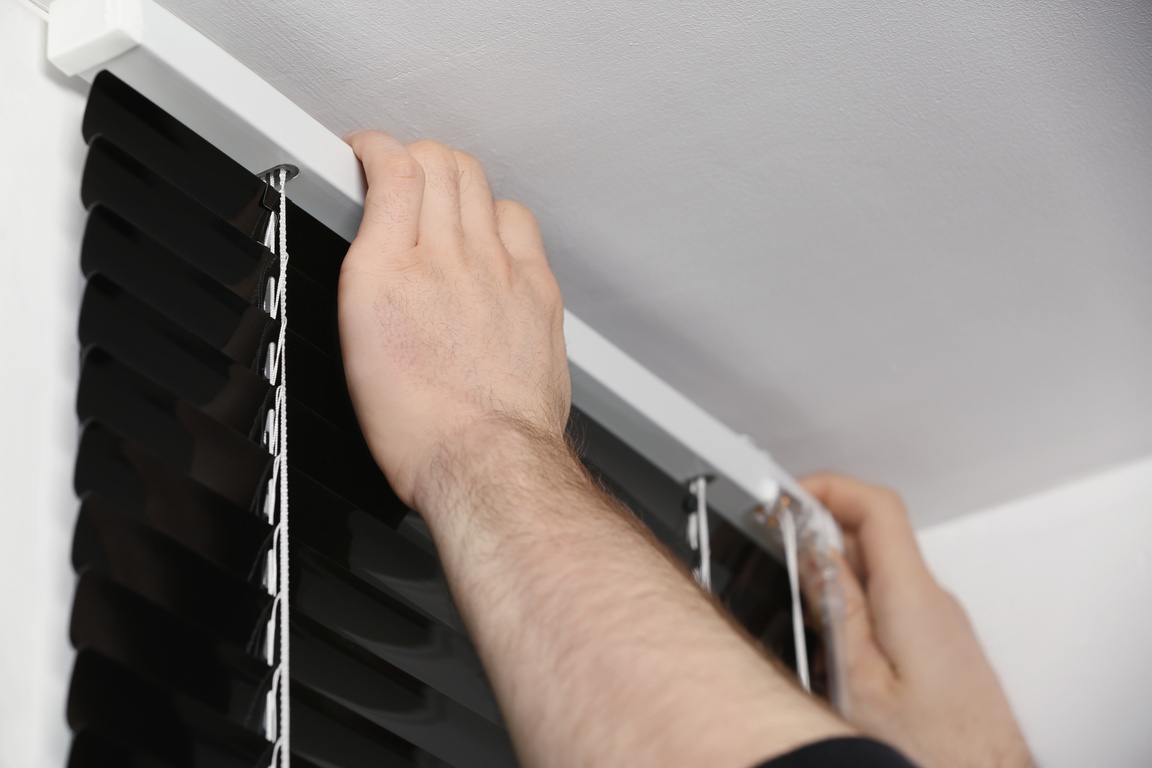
(430, 152)
(890, 500)
(469, 169)
(371, 142)
(546, 292)
(515, 214)
(466, 162)
(402, 168)
(550, 293)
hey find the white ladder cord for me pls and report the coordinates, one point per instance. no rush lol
(278, 722)
(788, 534)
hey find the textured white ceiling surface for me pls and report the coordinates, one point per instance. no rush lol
(907, 240)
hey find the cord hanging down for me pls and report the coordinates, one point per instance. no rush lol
(791, 561)
(278, 710)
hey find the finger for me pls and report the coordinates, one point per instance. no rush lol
(862, 653)
(395, 191)
(477, 211)
(879, 522)
(866, 664)
(440, 213)
(519, 232)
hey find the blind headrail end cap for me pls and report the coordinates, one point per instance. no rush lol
(86, 34)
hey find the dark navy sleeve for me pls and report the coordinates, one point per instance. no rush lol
(842, 753)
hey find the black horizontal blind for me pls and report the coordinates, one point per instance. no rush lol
(171, 610)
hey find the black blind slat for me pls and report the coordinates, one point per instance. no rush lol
(139, 195)
(140, 483)
(385, 626)
(416, 712)
(125, 327)
(321, 250)
(380, 556)
(171, 427)
(388, 510)
(121, 115)
(150, 203)
(110, 698)
(318, 382)
(329, 734)
(92, 749)
(117, 320)
(173, 287)
(172, 576)
(338, 459)
(156, 644)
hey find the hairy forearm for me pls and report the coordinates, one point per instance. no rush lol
(600, 648)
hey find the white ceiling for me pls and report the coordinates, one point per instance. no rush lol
(908, 240)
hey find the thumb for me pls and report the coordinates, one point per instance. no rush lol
(395, 192)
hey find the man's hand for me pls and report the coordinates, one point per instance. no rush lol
(601, 650)
(450, 318)
(917, 677)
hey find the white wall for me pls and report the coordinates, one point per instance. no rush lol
(1059, 586)
(41, 154)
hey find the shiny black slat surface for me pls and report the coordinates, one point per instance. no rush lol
(108, 697)
(113, 470)
(376, 553)
(138, 194)
(159, 141)
(154, 643)
(312, 312)
(115, 180)
(173, 287)
(220, 458)
(170, 575)
(329, 734)
(234, 393)
(318, 382)
(382, 624)
(171, 427)
(237, 545)
(321, 251)
(118, 113)
(316, 498)
(125, 327)
(395, 701)
(339, 460)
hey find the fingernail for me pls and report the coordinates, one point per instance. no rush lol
(348, 136)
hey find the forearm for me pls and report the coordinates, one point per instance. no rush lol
(600, 648)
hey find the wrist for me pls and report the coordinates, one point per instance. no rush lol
(492, 457)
